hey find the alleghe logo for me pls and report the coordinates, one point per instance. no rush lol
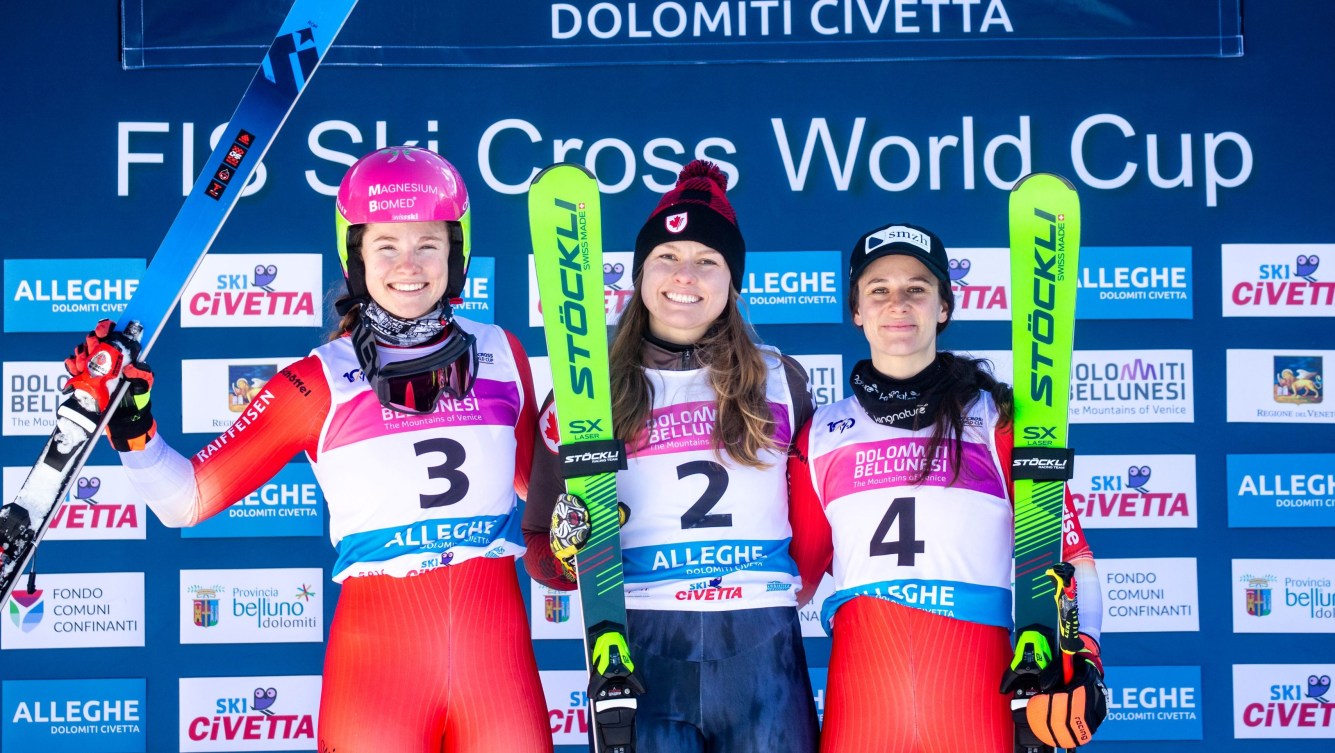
(86, 715)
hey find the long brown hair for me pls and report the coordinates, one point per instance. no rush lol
(743, 424)
(960, 382)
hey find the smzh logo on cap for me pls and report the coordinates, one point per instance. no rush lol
(675, 223)
(900, 234)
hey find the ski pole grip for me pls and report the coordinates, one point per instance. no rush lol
(1043, 463)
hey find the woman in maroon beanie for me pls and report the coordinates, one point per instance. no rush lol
(708, 417)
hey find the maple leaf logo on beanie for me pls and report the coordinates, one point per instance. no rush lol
(695, 209)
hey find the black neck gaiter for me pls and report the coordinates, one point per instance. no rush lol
(902, 403)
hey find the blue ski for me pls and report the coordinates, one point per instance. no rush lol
(297, 49)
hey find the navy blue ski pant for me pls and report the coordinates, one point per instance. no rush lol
(723, 682)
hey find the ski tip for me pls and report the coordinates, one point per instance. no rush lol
(1043, 177)
(561, 167)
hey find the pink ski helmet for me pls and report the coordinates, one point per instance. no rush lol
(402, 184)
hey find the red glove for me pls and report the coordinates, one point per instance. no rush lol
(96, 368)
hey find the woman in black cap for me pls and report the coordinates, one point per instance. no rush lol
(708, 419)
(905, 485)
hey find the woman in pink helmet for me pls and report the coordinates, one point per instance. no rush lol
(419, 426)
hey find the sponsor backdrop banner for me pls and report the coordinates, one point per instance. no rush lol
(1283, 596)
(100, 505)
(74, 716)
(1283, 701)
(248, 713)
(43, 298)
(1153, 703)
(158, 33)
(1203, 431)
(1281, 491)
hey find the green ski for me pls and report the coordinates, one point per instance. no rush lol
(566, 227)
(1045, 249)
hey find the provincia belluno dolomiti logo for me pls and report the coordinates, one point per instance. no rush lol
(281, 605)
(1283, 596)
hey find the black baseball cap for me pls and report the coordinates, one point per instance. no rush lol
(903, 239)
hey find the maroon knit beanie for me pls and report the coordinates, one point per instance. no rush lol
(696, 209)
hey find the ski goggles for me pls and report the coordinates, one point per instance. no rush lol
(416, 385)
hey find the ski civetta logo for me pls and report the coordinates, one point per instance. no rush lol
(1137, 477)
(264, 698)
(264, 276)
(959, 269)
(86, 488)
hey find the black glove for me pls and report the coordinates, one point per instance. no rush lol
(1068, 715)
